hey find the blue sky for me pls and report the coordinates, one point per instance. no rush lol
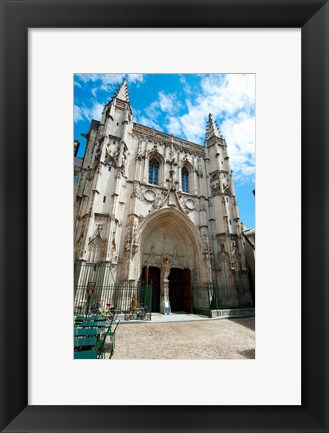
(179, 104)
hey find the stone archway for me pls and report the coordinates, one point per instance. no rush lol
(170, 233)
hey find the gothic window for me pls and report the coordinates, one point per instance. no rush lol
(154, 172)
(185, 175)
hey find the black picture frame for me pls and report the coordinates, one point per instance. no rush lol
(16, 18)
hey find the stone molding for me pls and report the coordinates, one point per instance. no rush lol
(167, 140)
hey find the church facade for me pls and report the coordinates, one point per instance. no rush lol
(151, 207)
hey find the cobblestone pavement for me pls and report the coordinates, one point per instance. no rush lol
(208, 339)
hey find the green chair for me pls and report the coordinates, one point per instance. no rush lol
(85, 354)
(79, 318)
(95, 318)
(84, 342)
(86, 332)
(102, 347)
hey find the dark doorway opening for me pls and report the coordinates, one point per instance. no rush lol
(180, 290)
(151, 274)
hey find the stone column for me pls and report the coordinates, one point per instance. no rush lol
(165, 284)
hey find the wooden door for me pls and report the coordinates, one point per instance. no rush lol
(187, 290)
(180, 290)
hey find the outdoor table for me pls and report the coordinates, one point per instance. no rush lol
(85, 342)
(94, 324)
(100, 318)
(85, 354)
(84, 332)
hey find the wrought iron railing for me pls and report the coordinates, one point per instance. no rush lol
(92, 286)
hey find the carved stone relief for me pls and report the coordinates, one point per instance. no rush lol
(110, 158)
(205, 242)
(221, 241)
(139, 154)
(227, 188)
(138, 192)
(132, 238)
(183, 204)
(198, 170)
(214, 183)
(201, 205)
(158, 200)
(190, 204)
(150, 195)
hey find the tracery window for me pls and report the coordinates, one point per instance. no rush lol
(185, 176)
(154, 172)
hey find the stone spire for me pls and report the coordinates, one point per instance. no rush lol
(122, 92)
(212, 130)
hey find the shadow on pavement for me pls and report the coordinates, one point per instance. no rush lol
(248, 354)
(248, 322)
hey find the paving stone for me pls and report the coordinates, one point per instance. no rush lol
(206, 339)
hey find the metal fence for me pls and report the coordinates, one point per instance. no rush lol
(92, 286)
(93, 283)
(201, 300)
(217, 297)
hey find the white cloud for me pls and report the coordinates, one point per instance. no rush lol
(85, 113)
(78, 115)
(230, 93)
(174, 126)
(77, 84)
(108, 80)
(153, 110)
(169, 103)
(165, 104)
(134, 78)
(186, 87)
(194, 123)
(146, 121)
(240, 137)
(231, 100)
(96, 111)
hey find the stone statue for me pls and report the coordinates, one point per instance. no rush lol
(166, 267)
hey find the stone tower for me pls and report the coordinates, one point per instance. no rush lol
(229, 267)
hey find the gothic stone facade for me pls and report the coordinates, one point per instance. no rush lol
(156, 207)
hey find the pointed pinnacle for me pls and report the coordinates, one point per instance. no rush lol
(122, 91)
(212, 130)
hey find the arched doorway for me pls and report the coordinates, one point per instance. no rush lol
(180, 290)
(169, 233)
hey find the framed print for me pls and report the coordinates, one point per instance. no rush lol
(22, 408)
(283, 50)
